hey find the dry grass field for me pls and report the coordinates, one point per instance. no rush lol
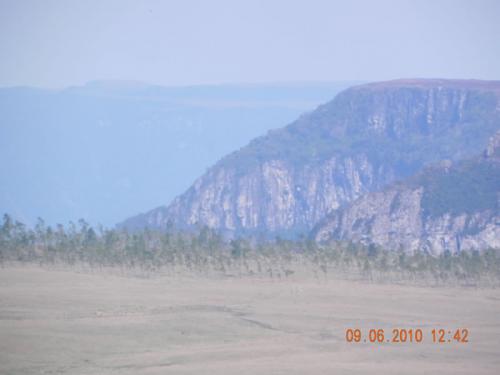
(68, 322)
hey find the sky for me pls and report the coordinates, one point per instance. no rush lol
(56, 44)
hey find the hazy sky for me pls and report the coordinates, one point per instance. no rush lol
(60, 43)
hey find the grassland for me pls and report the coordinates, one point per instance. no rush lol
(73, 321)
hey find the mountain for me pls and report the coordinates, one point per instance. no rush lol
(449, 207)
(367, 137)
(109, 149)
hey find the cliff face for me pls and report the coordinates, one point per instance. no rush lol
(448, 207)
(367, 137)
(274, 196)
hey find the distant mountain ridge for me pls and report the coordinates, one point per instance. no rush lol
(367, 137)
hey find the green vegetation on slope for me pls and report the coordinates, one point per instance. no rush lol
(342, 128)
(471, 186)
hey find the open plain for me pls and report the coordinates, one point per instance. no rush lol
(69, 322)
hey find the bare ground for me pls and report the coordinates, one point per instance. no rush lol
(65, 322)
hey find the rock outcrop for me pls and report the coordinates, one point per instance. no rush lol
(444, 208)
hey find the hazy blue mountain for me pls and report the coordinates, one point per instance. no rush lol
(107, 150)
(367, 137)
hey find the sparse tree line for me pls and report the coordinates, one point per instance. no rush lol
(204, 252)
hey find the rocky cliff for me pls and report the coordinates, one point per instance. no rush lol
(364, 139)
(447, 207)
